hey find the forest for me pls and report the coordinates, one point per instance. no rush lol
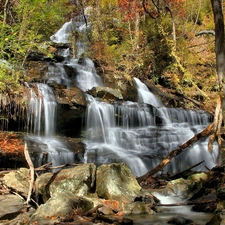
(170, 42)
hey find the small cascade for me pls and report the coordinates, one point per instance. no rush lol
(106, 142)
(80, 71)
(74, 30)
(42, 143)
(145, 96)
(41, 111)
(86, 75)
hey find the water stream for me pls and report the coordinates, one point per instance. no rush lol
(166, 213)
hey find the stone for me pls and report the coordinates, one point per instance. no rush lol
(18, 180)
(11, 206)
(78, 181)
(106, 93)
(178, 220)
(179, 187)
(59, 206)
(221, 193)
(198, 177)
(72, 96)
(41, 185)
(116, 182)
(137, 208)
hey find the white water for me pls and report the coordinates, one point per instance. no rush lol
(41, 111)
(41, 128)
(82, 71)
(142, 134)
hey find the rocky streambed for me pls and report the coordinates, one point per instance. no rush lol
(108, 194)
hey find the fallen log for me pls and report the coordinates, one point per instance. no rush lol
(207, 131)
(93, 210)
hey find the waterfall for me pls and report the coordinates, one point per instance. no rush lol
(139, 133)
(42, 103)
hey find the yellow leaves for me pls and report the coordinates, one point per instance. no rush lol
(108, 3)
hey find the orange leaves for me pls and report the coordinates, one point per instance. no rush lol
(9, 143)
(130, 8)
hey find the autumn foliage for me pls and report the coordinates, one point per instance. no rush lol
(9, 143)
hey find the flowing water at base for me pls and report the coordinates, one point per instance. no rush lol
(166, 213)
(162, 218)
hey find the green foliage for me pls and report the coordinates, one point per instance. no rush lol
(40, 18)
(34, 22)
(8, 78)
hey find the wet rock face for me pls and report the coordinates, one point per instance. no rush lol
(106, 93)
(115, 181)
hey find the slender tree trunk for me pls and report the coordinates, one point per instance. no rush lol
(220, 53)
(219, 41)
(5, 12)
(137, 29)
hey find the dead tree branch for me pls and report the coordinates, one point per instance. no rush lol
(32, 174)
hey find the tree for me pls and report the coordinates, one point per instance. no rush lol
(220, 56)
(219, 43)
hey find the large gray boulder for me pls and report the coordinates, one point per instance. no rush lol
(78, 181)
(116, 181)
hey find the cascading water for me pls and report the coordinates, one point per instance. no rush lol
(143, 134)
(42, 103)
(41, 123)
(41, 111)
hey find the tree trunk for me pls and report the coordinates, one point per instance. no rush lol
(219, 47)
(220, 55)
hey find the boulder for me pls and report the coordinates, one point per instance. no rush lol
(198, 177)
(116, 182)
(73, 96)
(179, 187)
(137, 208)
(106, 93)
(18, 180)
(79, 181)
(13, 205)
(59, 206)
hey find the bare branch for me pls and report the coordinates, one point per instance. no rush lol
(212, 32)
